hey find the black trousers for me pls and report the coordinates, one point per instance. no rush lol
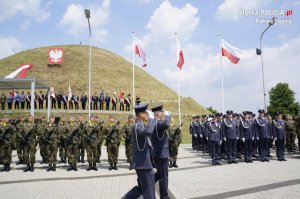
(17, 105)
(146, 185)
(263, 148)
(162, 175)
(59, 105)
(248, 149)
(114, 107)
(22, 105)
(76, 105)
(53, 104)
(280, 146)
(83, 105)
(194, 142)
(28, 106)
(213, 147)
(107, 106)
(65, 105)
(95, 106)
(40, 105)
(231, 149)
(9, 106)
(127, 107)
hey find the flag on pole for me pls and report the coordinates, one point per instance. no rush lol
(21, 71)
(231, 52)
(180, 58)
(140, 53)
(69, 93)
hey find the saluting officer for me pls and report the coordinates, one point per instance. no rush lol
(247, 135)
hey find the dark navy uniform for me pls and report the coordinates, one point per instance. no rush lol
(279, 132)
(214, 137)
(161, 152)
(192, 124)
(262, 134)
(230, 132)
(141, 157)
(198, 132)
(247, 136)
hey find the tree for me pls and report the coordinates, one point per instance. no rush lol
(213, 111)
(282, 99)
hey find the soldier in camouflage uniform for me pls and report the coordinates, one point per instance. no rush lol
(111, 135)
(61, 141)
(27, 137)
(40, 134)
(20, 151)
(6, 133)
(82, 143)
(291, 133)
(90, 137)
(126, 132)
(297, 121)
(174, 141)
(99, 125)
(50, 140)
(72, 140)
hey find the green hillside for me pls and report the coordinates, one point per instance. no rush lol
(109, 71)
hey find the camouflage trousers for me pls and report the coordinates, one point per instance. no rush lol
(81, 148)
(99, 145)
(72, 153)
(51, 153)
(62, 149)
(20, 151)
(42, 149)
(112, 152)
(29, 153)
(92, 153)
(173, 151)
(5, 153)
(128, 151)
(290, 140)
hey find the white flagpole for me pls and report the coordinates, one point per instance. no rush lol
(133, 56)
(178, 76)
(222, 79)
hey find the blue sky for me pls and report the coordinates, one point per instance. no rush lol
(27, 24)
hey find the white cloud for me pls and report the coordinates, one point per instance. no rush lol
(31, 9)
(10, 45)
(76, 23)
(228, 10)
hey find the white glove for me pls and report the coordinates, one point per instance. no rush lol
(275, 138)
(243, 139)
(151, 114)
(271, 137)
(167, 113)
(225, 139)
(237, 138)
(195, 135)
(257, 138)
(220, 142)
(201, 136)
(252, 138)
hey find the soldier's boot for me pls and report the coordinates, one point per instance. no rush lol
(70, 168)
(4, 168)
(130, 166)
(95, 166)
(19, 162)
(49, 167)
(7, 167)
(175, 165)
(75, 168)
(90, 167)
(54, 167)
(82, 159)
(27, 168)
(110, 166)
(170, 164)
(32, 168)
(115, 166)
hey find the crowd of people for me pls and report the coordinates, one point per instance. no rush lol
(70, 141)
(232, 135)
(65, 101)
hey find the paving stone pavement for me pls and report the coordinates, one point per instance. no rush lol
(195, 178)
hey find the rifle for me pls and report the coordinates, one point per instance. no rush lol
(70, 138)
(112, 131)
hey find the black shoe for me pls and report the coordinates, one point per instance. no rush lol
(3, 169)
(130, 167)
(270, 156)
(115, 167)
(27, 168)
(218, 163)
(49, 167)
(54, 167)
(234, 161)
(75, 168)
(247, 161)
(175, 165)
(95, 167)
(90, 167)
(7, 167)
(70, 168)
(110, 167)
(32, 168)
(214, 164)
(284, 159)
(250, 161)
(267, 160)
(279, 159)
(262, 160)
(229, 162)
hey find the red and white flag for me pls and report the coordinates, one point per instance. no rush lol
(21, 71)
(180, 58)
(141, 53)
(53, 93)
(231, 52)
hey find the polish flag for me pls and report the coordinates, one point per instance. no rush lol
(231, 52)
(21, 71)
(180, 58)
(140, 52)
